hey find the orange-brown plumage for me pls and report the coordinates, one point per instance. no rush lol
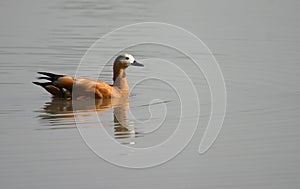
(61, 86)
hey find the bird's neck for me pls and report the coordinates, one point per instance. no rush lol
(120, 80)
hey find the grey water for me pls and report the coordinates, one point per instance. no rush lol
(256, 44)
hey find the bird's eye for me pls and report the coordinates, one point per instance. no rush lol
(127, 58)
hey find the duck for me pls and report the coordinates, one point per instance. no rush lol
(64, 86)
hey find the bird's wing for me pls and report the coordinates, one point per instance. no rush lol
(87, 87)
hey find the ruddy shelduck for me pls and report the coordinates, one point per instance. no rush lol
(62, 86)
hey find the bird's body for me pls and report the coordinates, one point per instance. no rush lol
(61, 86)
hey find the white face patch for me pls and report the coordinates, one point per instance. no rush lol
(131, 58)
(126, 57)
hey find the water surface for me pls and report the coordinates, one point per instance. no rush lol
(255, 42)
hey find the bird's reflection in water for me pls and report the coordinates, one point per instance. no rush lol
(122, 128)
(60, 113)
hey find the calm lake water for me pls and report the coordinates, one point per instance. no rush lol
(256, 44)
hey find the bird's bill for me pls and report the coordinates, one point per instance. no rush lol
(135, 63)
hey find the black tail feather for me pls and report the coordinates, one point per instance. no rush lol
(51, 75)
(50, 84)
(47, 78)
